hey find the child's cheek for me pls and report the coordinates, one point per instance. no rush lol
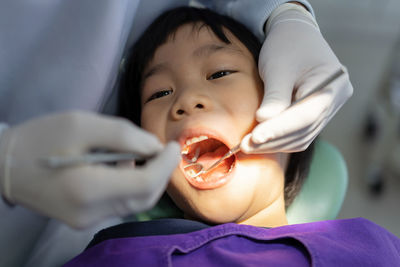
(250, 158)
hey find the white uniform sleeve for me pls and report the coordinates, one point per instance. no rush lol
(19, 230)
(252, 13)
(60, 55)
(59, 243)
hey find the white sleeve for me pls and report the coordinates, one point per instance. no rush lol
(59, 243)
(20, 230)
(256, 11)
(60, 55)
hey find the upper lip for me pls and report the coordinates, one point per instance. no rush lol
(191, 132)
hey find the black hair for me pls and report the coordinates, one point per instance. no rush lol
(157, 34)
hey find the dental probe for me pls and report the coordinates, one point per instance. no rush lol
(54, 162)
(236, 148)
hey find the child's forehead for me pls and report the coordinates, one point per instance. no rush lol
(193, 30)
(196, 35)
(197, 31)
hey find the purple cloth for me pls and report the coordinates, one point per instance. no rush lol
(350, 242)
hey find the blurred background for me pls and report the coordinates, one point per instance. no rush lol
(365, 35)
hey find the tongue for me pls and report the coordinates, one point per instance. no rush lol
(207, 159)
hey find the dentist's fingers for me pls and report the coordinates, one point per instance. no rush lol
(97, 192)
(277, 92)
(140, 182)
(287, 144)
(297, 121)
(127, 163)
(91, 130)
(94, 192)
(293, 119)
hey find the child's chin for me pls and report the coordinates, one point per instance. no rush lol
(216, 217)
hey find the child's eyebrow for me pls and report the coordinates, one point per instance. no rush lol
(209, 49)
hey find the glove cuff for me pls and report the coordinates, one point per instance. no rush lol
(301, 15)
(5, 164)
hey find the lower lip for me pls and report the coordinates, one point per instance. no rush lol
(210, 183)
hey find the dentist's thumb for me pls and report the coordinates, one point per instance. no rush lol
(278, 90)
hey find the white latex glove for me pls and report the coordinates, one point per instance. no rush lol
(293, 59)
(82, 195)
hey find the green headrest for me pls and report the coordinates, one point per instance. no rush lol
(323, 192)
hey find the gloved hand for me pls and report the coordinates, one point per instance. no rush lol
(82, 195)
(293, 59)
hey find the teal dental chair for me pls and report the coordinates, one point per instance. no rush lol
(320, 198)
(323, 192)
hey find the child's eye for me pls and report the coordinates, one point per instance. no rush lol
(220, 74)
(159, 94)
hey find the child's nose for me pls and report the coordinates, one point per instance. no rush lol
(190, 103)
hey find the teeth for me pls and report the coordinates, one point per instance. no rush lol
(185, 151)
(196, 139)
(191, 173)
(196, 156)
(230, 169)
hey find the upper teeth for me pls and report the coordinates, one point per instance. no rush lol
(196, 140)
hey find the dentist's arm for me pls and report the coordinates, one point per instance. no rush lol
(257, 11)
(82, 195)
(294, 58)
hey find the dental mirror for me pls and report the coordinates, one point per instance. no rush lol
(194, 169)
(198, 168)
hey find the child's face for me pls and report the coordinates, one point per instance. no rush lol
(198, 86)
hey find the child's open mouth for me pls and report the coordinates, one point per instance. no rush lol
(206, 150)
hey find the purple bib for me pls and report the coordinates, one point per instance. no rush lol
(350, 242)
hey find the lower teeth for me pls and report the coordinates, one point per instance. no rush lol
(230, 169)
(193, 174)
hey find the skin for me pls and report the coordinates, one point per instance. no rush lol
(197, 82)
